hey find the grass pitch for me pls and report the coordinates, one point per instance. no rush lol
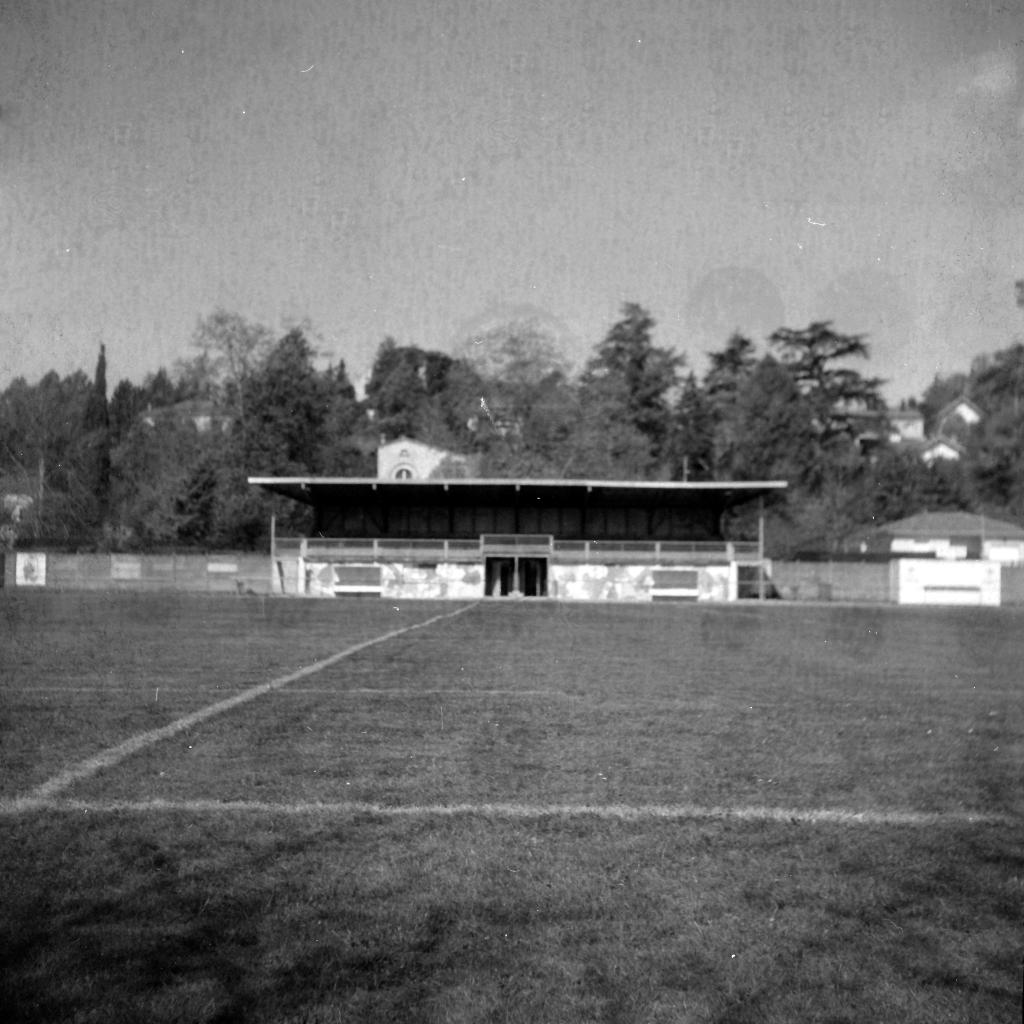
(637, 833)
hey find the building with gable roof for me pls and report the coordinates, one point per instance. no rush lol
(951, 535)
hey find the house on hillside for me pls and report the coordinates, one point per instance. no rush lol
(874, 427)
(957, 418)
(950, 535)
(942, 449)
(905, 425)
(406, 459)
(203, 415)
(945, 441)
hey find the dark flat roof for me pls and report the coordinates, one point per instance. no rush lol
(313, 490)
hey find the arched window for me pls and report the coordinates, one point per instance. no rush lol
(403, 473)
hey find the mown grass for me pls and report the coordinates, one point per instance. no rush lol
(163, 915)
(837, 708)
(81, 671)
(281, 918)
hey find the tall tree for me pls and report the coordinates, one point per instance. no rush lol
(396, 391)
(727, 372)
(347, 445)
(517, 354)
(603, 443)
(287, 406)
(158, 390)
(96, 438)
(532, 440)
(418, 393)
(512, 383)
(123, 409)
(899, 484)
(151, 470)
(42, 442)
(728, 369)
(996, 458)
(629, 365)
(229, 351)
(774, 427)
(815, 356)
(693, 438)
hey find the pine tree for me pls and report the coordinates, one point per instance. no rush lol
(628, 365)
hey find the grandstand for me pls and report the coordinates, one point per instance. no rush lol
(566, 539)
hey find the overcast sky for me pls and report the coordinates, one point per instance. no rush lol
(420, 169)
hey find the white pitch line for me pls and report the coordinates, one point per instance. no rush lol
(114, 755)
(516, 811)
(402, 691)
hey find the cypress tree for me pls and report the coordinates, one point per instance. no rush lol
(97, 431)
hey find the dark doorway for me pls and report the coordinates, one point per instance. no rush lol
(519, 576)
(498, 576)
(533, 577)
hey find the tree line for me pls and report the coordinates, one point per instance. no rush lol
(164, 464)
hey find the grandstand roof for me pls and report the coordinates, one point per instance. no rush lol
(313, 490)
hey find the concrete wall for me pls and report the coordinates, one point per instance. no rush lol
(448, 579)
(465, 581)
(863, 581)
(832, 581)
(1013, 584)
(600, 582)
(799, 581)
(637, 582)
(232, 573)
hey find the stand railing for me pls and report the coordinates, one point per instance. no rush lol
(349, 549)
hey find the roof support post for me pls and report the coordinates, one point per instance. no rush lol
(273, 550)
(760, 549)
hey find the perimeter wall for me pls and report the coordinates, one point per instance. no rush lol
(861, 582)
(228, 573)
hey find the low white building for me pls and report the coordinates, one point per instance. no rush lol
(956, 535)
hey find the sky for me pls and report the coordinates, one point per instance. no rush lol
(431, 168)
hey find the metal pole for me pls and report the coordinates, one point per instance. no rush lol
(273, 549)
(760, 549)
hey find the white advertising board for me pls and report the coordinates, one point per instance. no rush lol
(941, 581)
(30, 569)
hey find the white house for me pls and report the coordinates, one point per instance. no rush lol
(956, 417)
(405, 459)
(905, 425)
(941, 449)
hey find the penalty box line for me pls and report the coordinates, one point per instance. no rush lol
(114, 755)
(521, 812)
